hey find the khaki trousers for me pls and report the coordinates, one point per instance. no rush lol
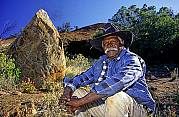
(118, 105)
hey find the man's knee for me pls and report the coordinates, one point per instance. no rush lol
(120, 97)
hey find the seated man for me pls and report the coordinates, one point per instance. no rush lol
(117, 81)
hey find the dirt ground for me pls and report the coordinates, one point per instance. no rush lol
(28, 105)
(46, 104)
(164, 87)
(10, 101)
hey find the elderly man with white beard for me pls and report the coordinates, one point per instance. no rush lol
(117, 81)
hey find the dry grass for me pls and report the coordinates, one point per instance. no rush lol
(76, 65)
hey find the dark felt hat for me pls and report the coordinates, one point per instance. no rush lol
(110, 30)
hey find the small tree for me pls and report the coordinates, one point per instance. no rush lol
(8, 27)
(9, 73)
(155, 32)
(65, 27)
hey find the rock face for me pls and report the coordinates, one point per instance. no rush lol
(77, 41)
(6, 43)
(39, 50)
(84, 33)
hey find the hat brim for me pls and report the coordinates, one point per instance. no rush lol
(127, 36)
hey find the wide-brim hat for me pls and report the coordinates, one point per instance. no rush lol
(110, 30)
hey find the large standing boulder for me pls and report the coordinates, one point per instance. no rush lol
(39, 50)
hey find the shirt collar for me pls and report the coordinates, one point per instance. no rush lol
(123, 51)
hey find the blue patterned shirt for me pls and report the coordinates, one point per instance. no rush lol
(126, 73)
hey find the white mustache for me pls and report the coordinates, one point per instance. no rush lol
(110, 49)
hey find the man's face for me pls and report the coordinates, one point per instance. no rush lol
(112, 46)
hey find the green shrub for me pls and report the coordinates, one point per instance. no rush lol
(9, 73)
(76, 65)
(176, 98)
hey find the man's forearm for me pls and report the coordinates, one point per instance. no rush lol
(91, 97)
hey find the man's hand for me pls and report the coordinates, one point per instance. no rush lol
(66, 97)
(74, 104)
(67, 93)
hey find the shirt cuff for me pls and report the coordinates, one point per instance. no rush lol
(71, 86)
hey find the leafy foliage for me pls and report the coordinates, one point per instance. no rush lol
(8, 71)
(98, 33)
(155, 32)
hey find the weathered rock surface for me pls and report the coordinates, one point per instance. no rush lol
(6, 43)
(39, 50)
(84, 33)
(77, 41)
